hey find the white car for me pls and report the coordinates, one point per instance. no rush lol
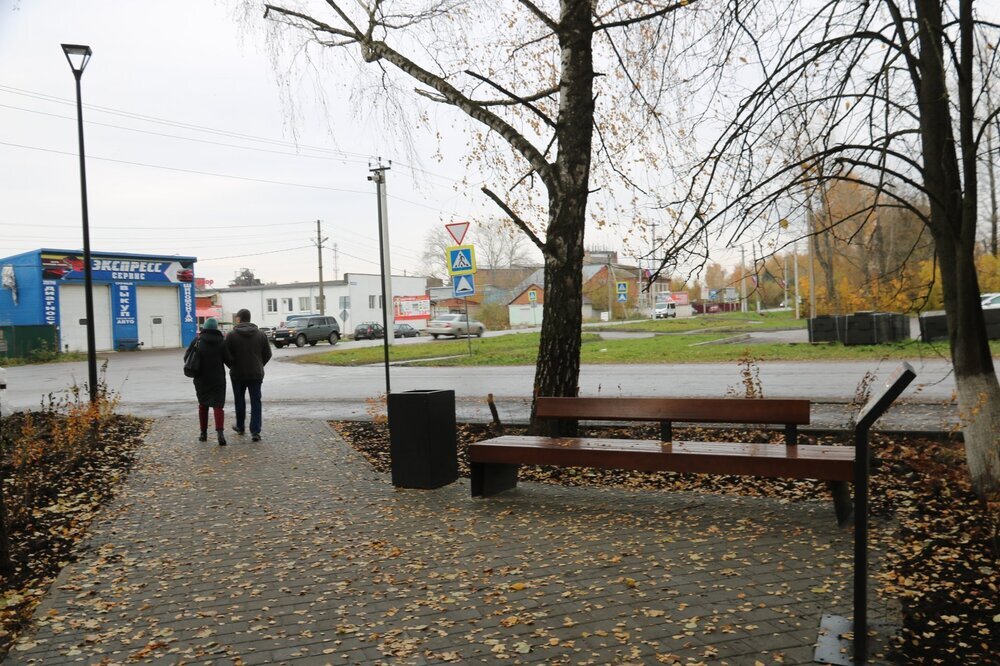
(665, 310)
(454, 325)
(991, 301)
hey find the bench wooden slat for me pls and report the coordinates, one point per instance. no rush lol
(699, 410)
(827, 463)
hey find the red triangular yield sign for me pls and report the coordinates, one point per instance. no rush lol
(457, 231)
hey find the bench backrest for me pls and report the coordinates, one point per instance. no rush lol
(790, 413)
(880, 402)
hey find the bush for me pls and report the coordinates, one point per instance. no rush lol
(43, 353)
(57, 465)
(495, 316)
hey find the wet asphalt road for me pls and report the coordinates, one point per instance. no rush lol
(150, 383)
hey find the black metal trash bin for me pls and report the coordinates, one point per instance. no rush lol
(423, 443)
(933, 326)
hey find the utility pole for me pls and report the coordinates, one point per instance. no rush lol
(797, 313)
(378, 177)
(319, 249)
(784, 278)
(611, 312)
(743, 280)
(812, 274)
(614, 278)
(990, 170)
(652, 266)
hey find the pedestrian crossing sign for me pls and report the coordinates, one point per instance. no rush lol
(623, 298)
(622, 287)
(463, 285)
(461, 260)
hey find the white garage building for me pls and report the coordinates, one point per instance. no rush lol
(355, 299)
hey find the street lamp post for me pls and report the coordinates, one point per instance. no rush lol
(78, 56)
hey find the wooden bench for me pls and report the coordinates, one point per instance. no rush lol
(494, 462)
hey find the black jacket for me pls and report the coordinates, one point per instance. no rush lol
(210, 384)
(250, 351)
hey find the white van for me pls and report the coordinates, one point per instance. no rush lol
(665, 310)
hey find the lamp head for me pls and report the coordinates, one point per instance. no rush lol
(78, 56)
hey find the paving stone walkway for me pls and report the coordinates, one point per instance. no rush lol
(292, 550)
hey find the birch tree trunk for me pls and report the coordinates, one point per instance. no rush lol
(950, 180)
(557, 371)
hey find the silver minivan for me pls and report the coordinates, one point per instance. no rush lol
(665, 310)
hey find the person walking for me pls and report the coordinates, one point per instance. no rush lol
(210, 384)
(251, 352)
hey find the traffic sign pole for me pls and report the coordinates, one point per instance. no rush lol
(468, 325)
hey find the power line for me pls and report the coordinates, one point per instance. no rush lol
(221, 175)
(189, 138)
(187, 246)
(354, 256)
(346, 155)
(255, 254)
(182, 170)
(172, 123)
(71, 227)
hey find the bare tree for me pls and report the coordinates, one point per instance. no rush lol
(991, 157)
(895, 88)
(549, 127)
(245, 278)
(433, 255)
(499, 244)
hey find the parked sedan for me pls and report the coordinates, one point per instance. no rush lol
(405, 331)
(454, 325)
(369, 330)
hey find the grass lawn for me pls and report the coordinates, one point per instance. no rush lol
(724, 321)
(47, 357)
(522, 349)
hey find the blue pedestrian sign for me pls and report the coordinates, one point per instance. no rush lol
(463, 286)
(622, 288)
(622, 298)
(461, 260)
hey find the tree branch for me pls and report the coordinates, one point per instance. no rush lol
(538, 112)
(316, 25)
(548, 92)
(373, 49)
(645, 17)
(515, 218)
(542, 16)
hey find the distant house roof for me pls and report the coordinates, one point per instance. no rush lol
(312, 283)
(589, 271)
(504, 278)
(521, 296)
(452, 302)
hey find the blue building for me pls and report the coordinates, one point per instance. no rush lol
(139, 299)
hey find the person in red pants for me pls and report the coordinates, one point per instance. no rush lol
(210, 384)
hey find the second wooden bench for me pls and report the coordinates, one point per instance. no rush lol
(494, 462)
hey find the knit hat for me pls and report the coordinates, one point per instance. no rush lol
(210, 324)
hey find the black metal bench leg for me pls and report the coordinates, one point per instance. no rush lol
(843, 506)
(492, 478)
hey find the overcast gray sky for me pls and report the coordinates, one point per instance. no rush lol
(190, 148)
